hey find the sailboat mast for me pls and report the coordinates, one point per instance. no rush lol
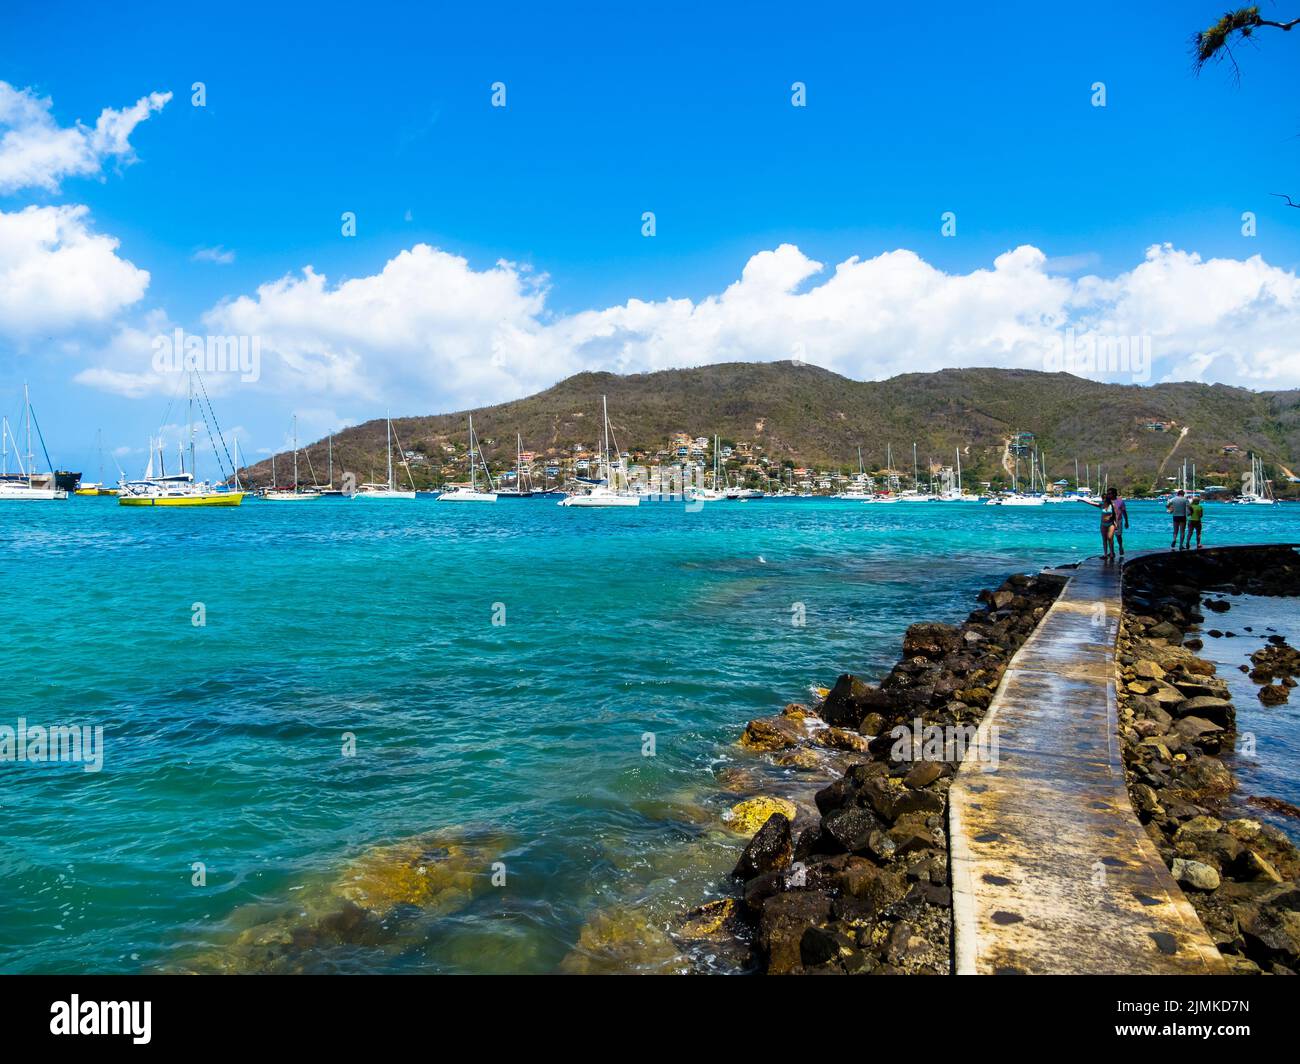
(391, 485)
(331, 461)
(473, 458)
(607, 469)
(915, 485)
(295, 454)
(190, 415)
(31, 457)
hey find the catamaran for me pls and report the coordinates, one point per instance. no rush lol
(161, 488)
(297, 495)
(471, 493)
(603, 493)
(21, 487)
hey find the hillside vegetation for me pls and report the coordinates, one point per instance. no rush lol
(812, 417)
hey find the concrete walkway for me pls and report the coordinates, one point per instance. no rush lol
(1051, 871)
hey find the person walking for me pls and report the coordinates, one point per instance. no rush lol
(1121, 518)
(1195, 514)
(1177, 508)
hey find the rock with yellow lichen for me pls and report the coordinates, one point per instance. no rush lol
(748, 816)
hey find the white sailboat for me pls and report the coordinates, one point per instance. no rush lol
(699, 493)
(603, 494)
(297, 495)
(384, 492)
(1258, 491)
(23, 488)
(523, 486)
(471, 493)
(955, 493)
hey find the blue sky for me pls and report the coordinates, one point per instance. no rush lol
(613, 110)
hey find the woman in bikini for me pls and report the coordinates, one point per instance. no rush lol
(1107, 507)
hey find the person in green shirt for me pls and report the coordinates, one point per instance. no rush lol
(1195, 513)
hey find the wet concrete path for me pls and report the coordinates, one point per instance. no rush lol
(1051, 871)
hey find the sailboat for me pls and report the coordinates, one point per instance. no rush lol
(1259, 492)
(857, 492)
(297, 495)
(523, 486)
(329, 490)
(177, 489)
(696, 493)
(1017, 497)
(22, 487)
(380, 492)
(471, 493)
(956, 493)
(603, 493)
(97, 487)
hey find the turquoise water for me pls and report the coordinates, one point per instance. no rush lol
(223, 743)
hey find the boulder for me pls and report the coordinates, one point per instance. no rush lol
(771, 849)
(931, 640)
(1195, 875)
(748, 816)
(849, 701)
(851, 827)
(772, 733)
(782, 925)
(1218, 710)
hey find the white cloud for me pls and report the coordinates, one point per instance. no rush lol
(219, 255)
(36, 152)
(57, 276)
(429, 332)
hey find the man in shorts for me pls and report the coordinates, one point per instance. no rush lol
(1195, 512)
(1121, 518)
(1177, 507)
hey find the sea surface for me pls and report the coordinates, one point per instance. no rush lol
(503, 672)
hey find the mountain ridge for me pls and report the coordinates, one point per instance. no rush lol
(808, 416)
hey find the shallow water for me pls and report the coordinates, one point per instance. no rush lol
(1267, 754)
(224, 742)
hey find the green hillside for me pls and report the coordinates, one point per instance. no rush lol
(812, 417)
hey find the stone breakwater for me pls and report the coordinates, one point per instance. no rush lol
(1176, 721)
(862, 886)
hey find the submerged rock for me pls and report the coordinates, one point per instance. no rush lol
(619, 941)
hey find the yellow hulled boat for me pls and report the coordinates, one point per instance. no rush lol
(198, 498)
(178, 489)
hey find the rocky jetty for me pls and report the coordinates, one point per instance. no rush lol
(862, 884)
(1176, 719)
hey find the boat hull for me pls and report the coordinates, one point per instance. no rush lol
(224, 498)
(32, 494)
(593, 501)
(467, 496)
